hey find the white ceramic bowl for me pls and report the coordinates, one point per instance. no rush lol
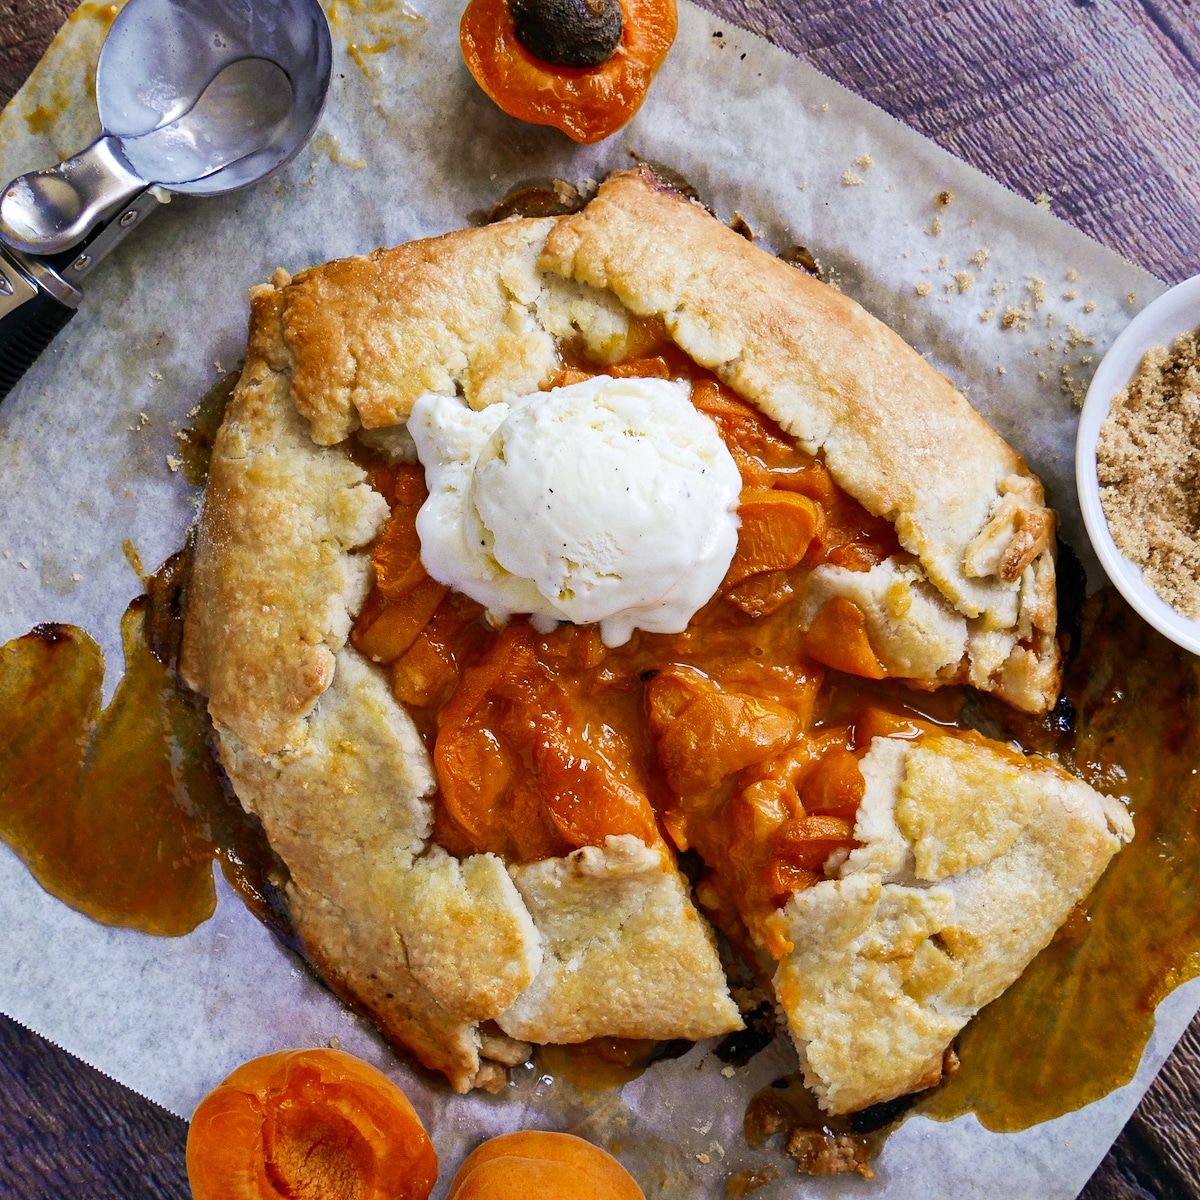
(1176, 311)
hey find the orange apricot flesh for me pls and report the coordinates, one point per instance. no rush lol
(542, 1166)
(586, 103)
(308, 1125)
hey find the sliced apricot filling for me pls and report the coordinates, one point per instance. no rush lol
(709, 740)
(404, 598)
(838, 638)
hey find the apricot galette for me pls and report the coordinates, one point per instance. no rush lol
(445, 608)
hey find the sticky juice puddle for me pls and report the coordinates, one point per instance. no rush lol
(1074, 1026)
(105, 807)
(121, 812)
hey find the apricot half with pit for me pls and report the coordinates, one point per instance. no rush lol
(505, 44)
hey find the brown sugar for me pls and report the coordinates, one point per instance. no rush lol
(1148, 459)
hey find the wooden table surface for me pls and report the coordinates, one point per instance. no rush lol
(1094, 102)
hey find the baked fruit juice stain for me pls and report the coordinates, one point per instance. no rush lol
(1073, 1027)
(121, 812)
(92, 801)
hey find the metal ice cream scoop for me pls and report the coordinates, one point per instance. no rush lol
(196, 97)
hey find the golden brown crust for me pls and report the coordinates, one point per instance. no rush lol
(622, 944)
(363, 337)
(482, 311)
(893, 431)
(348, 814)
(367, 336)
(316, 746)
(275, 575)
(969, 861)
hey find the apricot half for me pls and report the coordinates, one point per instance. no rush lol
(542, 1166)
(308, 1125)
(586, 103)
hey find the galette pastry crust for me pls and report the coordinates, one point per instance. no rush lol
(278, 574)
(466, 962)
(317, 747)
(472, 309)
(480, 311)
(621, 940)
(970, 860)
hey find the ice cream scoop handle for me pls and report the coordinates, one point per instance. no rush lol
(30, 318)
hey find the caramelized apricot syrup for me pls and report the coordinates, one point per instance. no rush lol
(1073, 1027)
(121, 812)
(547, 742)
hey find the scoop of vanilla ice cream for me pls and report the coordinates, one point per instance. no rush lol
(611, 500)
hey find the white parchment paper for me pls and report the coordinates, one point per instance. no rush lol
(1015, 306)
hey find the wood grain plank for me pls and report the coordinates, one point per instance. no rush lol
(1166, 1122)
(1128, 1173)
(26, 28)
(68, 1130)
(1095, 105)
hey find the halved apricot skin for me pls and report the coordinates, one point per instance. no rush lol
(542, 1166)
(586, 103)
(308, 1123)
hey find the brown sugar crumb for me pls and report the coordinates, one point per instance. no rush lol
(1148, 460)
(1042, 200)
(1075, 388)
(935, 227)
(851, 179)
(1076, 337)
(1015, 318)
(944, 199)
(965, 281)
(1037, 290)
(865, 161)
(980, 257)
(1090, 306)
(923, 288)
